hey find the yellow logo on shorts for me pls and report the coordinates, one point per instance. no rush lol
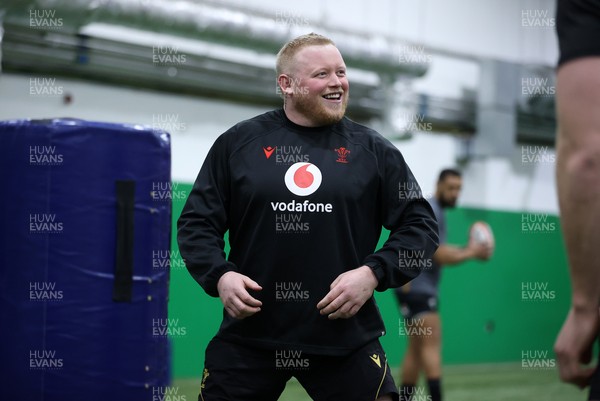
(375, 358)
(204, 377)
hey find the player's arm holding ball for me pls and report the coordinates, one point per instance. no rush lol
(480, 246)
(481, 238)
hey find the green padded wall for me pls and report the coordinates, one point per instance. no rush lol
(485, 315)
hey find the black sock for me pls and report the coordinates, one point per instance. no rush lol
(406, 391)
(435, 389)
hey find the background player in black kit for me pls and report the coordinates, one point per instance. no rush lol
(342, 185)
(418, 299)
(578, 181)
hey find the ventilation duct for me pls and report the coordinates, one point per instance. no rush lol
(125, 56)
(233, 27)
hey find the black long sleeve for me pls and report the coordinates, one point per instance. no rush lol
(302, 206)
(413, 229)
(204, 221)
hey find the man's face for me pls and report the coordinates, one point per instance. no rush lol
(448, 190)
(319, 86)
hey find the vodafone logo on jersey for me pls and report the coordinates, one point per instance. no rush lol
(303, 179)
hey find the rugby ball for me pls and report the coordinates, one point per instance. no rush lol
(481, 233)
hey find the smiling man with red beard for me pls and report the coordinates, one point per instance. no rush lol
(314, 83)
(304, 193)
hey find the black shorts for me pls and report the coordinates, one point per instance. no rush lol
(412, 305)
(235, 372)
(578, 29)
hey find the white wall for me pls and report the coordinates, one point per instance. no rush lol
(489, 28)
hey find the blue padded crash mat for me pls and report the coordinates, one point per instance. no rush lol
(83, 298)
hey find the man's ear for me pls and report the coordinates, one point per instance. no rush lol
(285, 83)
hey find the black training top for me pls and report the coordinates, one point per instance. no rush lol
(303, 205)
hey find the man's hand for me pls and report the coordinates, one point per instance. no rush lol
(574, 345)
(233, 292)
(348, 293)
(479, 250)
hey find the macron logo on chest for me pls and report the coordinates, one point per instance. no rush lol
(268, 151)
(286, 155)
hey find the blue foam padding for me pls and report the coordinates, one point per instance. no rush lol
(62, 337)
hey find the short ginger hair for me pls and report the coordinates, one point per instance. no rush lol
(291, 48)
